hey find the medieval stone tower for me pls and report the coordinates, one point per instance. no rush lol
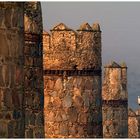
(68, 104)
(72, 82)
(33, 71)
(21, 76)
(115, 105)
(11, 70)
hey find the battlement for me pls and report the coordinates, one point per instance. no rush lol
(72, 104)
(69, 49)
(115, 82)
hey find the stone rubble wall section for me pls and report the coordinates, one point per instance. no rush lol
(133, 123)
(72, 104)
(11, 70)
(115, 117)
(115, 122)
(133, 127)
(33, 71)
(72, 107)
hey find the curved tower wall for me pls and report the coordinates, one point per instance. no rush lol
(72, 82)
(11, 70)
(33, 71)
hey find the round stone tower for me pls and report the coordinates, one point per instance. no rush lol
(115, 101)
(11, 70)
(72, 82)
(33, 71)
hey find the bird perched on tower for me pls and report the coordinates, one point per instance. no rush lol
(139, 100)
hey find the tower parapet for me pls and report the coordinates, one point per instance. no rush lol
(72, 80)
(115, 101)
(81, 49)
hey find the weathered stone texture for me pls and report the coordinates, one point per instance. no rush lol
(11, 64)
(115, 104)
(133, 124)
(75, 47)
(33, 71)
(33, 17)
(72, 104)
(71, 108)
(114, 88)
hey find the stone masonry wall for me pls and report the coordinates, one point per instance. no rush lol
(133, 124)
(72, 93)
(138, 121)
(77, 48)
(115, 104)
(11, 70)
(33, 71)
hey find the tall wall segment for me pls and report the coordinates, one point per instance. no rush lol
(72, 82)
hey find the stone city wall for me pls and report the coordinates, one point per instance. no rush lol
(72, 82)
(11, 70)
(115, 101)
(133, 124)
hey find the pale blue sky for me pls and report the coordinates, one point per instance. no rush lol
(120, 25)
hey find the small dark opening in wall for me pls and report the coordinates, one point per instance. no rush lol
(75, 67)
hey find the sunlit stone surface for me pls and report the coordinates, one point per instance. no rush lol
(72, 104)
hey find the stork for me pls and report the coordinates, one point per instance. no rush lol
(139, 100)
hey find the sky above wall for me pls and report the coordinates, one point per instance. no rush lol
(120, 25)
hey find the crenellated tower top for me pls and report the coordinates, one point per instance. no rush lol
(68, 49)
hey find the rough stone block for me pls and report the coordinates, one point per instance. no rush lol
(58, 84)
(57, 102)
(72, 113)
(73, 130)
(27, 117)
(67, 101)
(3, 129)
(39, 132)
(8, 98)
(32, 118)
(17, 114)
(80, 130)
(50, 116)
(19, 75)
(19, 128)
(58, 117)
(27, 50)
(15, 98)
(39, 119)
(11, 129)
(4, 50)
(6, 75)
(64, 129)
(1, 77)
(28, 61)
(29, 133)
(8, 116)
(15, 18)
(7, 17)
(78, 101)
